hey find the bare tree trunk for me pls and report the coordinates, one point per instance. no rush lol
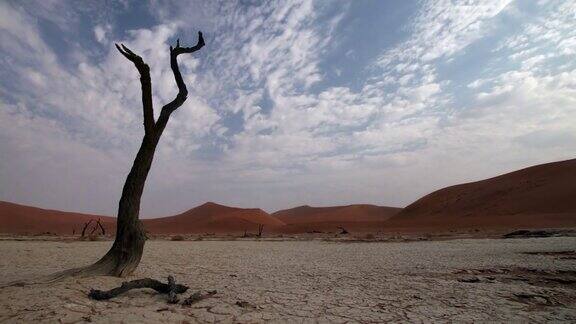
(126, 252)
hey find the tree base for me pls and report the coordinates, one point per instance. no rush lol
(120, 261)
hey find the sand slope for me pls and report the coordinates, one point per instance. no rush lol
(20, 219)
(538, 196)
(211, 217)
(326, 219)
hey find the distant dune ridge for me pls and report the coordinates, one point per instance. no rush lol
(538, 196)
(214, 218)
(365, 218)
(207, 218)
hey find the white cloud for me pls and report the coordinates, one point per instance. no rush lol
(100, 32)
(552, 32)
(443, 28)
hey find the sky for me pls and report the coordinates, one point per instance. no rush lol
(290, 102)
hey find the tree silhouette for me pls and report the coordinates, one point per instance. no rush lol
(95, 227)
(126, 252)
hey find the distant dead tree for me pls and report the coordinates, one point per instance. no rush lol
(343, 231)
(86, 227)
(259, 234)
(99, 226)
(102, 228)
(95, 227)
(126, 252)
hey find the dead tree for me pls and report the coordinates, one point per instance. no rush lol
(126, 251)
(101, 228)
(85, 227)
(97, 226)
(94, 228)
(260, 229)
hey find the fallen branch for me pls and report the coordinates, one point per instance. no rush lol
(172, 298)
(171, 289)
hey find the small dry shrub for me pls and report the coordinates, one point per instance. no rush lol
(177, 238)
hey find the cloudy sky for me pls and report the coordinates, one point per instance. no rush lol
(291, 102)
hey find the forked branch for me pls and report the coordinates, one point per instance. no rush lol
(150, 126)
(182, 91)
(146, 84)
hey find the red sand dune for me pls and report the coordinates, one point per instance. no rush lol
(538, 196)
(210, 217)
(213, 218)
(20, 219)
(328, 219)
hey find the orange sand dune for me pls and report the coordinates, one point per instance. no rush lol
(538, 196)
(20, 219)
(211, 217)
(328, 219)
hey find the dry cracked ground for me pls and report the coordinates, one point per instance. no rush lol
(471, 280)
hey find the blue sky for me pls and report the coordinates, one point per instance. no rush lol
(291, 102)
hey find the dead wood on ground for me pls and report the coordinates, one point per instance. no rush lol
(171, 288)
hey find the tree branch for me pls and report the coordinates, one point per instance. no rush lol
(172, 298)
(171, 288)
(170, 107)
(146, 84)
(86, 226)
(101, 227)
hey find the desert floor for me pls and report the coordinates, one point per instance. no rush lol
(306, 281)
